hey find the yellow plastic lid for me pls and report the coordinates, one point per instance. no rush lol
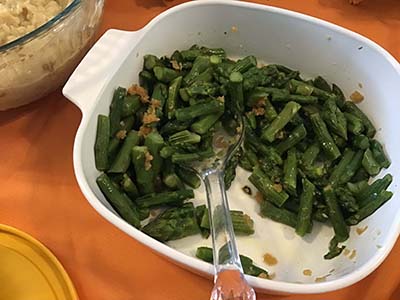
(28, 270)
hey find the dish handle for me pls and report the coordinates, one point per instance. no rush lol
(87, 81)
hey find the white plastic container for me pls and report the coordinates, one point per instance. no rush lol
(272, 35)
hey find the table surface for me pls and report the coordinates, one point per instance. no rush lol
(39, 193)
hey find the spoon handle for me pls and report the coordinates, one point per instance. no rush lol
(229, 280)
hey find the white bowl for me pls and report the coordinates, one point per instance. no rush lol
(273, 35)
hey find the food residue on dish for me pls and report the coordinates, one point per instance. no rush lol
(360, 85)
(234, 29)
(353, 254)
(379, 246)
(360, 230)
(270, 260)
(247, 190)
(322, 278)
(271, 276)
(346, 252)
(356, 97)
(264, 276)
(307, 272)
(332, 270)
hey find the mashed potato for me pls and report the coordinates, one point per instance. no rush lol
(19, 17)
(34, 68)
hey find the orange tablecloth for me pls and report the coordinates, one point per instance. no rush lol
(39, 193)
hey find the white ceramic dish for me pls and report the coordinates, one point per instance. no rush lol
(274, 35)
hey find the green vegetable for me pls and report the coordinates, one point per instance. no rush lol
(116, 109)
(143, 169)
(324, 137)
(290, 109)
(341, 167)
(370, 164)
(164, 74)
(174, 223)
(379, 154)
(369, 208)
(165, 198)
(305, 210)
(206, 254)
(230, 169)
(197, 110)
(298, 134)
(290, 172)
(129, 187)
(121, 203)
(203, 125)
(184, 137)
(267, 188)
(102, 142)
(353, 109)
(169, 176)
(335, 215)
(236, 90)
(278, 214)
(173, 90)
(189, 177)
(123, 159)
(310, 152)
(154, 142)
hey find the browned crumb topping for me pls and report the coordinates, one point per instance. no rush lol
(258, 108)
(176, 65)
(259, 197)
(150, 115)
(258, 111)
(346, 252)
(260, 102)
(138, 90)
(247, 190)
(149, 118)
(270, 260)
(360, 231)
(147, 161)
(220, 142)
(356, 97)
(234, 29)
(145, 131)
(121, 134)
(155, 103)
(221, 99)
(307, 272)
(278, 187)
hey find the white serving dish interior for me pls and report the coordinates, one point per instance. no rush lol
(273, 35)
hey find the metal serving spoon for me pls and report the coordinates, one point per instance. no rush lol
(229, 281)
